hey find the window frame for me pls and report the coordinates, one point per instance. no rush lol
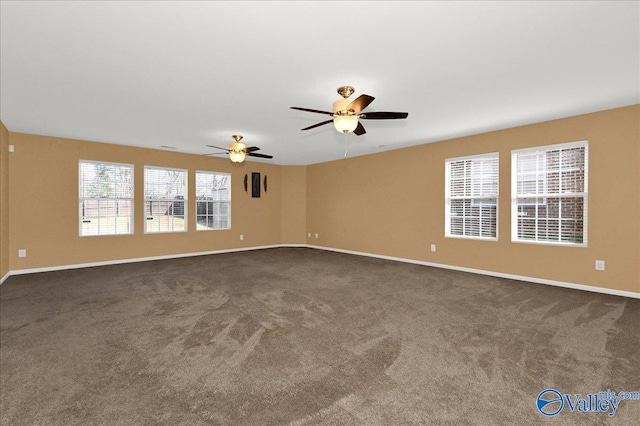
(81, 200)
(184, 200)
(490, 156)
(207, 201)
(546, 195)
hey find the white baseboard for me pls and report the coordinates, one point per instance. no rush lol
(358, 253)
(490, 273)
(141, 259)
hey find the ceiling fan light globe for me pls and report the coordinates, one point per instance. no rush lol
(237, 152)
(345, 123)
(237, 157)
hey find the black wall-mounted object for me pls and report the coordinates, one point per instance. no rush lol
(255, 185)
(246, 177)
(265, 183)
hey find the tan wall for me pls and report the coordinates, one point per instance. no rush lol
(4, 200)
(44, 205)
(294, 204)
(392, 203)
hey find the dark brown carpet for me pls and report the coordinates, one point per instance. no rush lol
(305, 337)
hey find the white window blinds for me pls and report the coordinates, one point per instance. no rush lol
(106, 198)
(213, 200)
(549, 194)
(471, 192)
(165, 199)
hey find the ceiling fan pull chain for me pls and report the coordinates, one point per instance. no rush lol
(345, 144)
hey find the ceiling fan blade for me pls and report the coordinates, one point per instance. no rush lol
(251, 149)
(255, 154)
(318, 124)
(217, 147)
(359, 130)
(360, 103)
(384, 115)
(312, 110)
(217, 153)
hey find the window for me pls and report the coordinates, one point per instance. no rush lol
(549, 194)
(213, 200)
(165, 199)
(471, 193)
(106, 198)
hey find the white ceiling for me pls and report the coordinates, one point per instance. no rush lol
(188, 74)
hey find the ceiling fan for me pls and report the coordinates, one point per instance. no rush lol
(237, 150)
(346, 113)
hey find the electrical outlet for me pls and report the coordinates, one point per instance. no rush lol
(309, 235)
(599, 265)
(241, 237)
(433, 247)
(11, 148)
(22, 253)
(316, 235)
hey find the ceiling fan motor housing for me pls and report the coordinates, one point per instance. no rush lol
(340, 106)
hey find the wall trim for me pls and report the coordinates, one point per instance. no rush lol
(574, 286)
(141, 259)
